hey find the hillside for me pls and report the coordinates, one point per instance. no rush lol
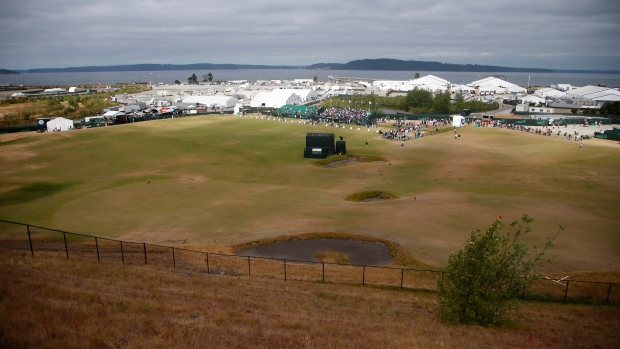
(363, 64)
(53, 302)
(395, 64)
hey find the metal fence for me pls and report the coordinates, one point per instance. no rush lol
(87, 247)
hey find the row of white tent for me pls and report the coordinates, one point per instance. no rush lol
(270, 99)
(487, 86)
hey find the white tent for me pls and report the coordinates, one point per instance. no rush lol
(59, 124)
(493, 85)
(212, 101)
(275, 99)
(532, 99)
(548, 92)
(110, 115)
(595, 93)
(457, 120)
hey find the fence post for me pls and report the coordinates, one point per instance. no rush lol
(442, 277)
(30, 240)
(122, 253)
(97, 247)
(323, 272)
(364, 275)
(284, 269)
(64, 235)
(608, 292)
(174, 261)
(566, 291)
(208, 272)
(249, 265)
(523, 294)
(402, 276)
(144, 245)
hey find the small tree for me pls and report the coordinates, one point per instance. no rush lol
(486, 277)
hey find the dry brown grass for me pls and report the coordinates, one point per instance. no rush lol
(51, 302)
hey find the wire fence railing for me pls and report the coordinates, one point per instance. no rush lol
(65, 244)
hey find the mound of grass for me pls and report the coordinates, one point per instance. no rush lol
(30, 192)
(332, 257)
(370, 196)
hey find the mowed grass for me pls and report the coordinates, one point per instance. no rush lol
(228, 180)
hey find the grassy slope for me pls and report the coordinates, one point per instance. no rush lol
(218, 180)
(50, 302)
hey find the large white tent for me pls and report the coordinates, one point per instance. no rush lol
(595, 93)
(59, 124)
(212, 101)
(493, 85)
(306, 95)
(548, 92)
(275, 98)
(428, 82)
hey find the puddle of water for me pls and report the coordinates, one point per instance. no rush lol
(359, 252)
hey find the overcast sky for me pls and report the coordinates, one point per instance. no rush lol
(556, 34)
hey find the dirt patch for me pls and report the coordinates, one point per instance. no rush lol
(332, 257)
(16, 152)
(340, 163)
(370, 196)
(7, 188)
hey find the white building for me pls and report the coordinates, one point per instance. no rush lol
(428, 82)
(532, 99)
(275, 98)
(563, 87)
(212, 101)
(458, 88)
(595, 93)
(59, 124)
(307, 95)
(493, 85)
(548, 92)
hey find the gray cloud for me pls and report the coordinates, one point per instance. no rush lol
(560, 34)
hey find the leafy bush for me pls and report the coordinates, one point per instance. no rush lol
(486, 277)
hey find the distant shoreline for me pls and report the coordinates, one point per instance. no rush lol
(364, 65)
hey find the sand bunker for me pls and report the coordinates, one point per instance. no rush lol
(359, 252)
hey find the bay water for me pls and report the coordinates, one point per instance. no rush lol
(169, 76)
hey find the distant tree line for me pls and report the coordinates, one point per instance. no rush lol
(416, 101)
(420, 101)
(395, 64)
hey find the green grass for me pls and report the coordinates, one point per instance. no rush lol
(30, 192)
(230, 180)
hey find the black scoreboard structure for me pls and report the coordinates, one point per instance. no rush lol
(321, 145)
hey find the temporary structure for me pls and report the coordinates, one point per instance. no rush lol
(59, 124)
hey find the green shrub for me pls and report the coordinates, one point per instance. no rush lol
(485, 278)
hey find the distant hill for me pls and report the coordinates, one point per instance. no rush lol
(8, 72)
(361, 64)
(159, 67)
(395, 64)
